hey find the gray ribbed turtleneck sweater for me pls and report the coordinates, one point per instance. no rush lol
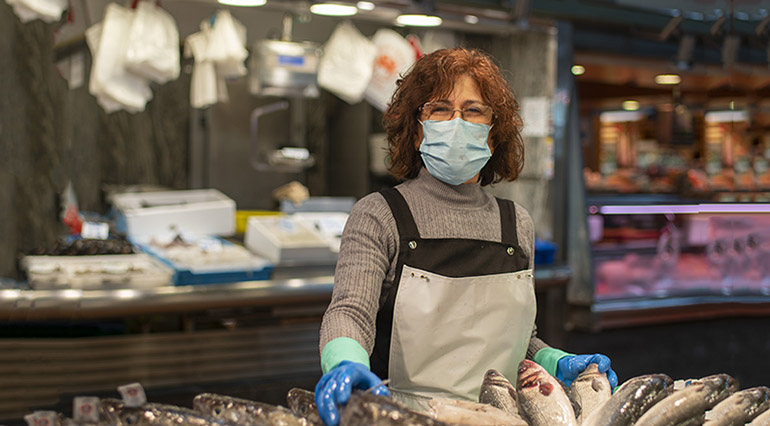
(369, 250)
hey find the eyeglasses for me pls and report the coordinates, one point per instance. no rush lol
(442, 111)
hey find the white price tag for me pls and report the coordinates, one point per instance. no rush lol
(95, 230)
(42, 418)
(287, 225)
(85, 409)
(331, 226)
(133, 395)
(536, 115)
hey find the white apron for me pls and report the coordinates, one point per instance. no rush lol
(459, 308)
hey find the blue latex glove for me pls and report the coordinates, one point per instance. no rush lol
(570, 366)
(335, 387)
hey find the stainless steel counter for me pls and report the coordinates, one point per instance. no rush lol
(32, 305)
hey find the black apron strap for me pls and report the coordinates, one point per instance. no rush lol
(407, 229)
(507, 221)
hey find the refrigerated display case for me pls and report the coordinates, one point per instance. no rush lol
(655, 258)
(680, 250)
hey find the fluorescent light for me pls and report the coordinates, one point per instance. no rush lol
(244, 3)
(650, 209)
(417, 20)
(630, 105)
(686, 209)
(726, 116)
(365, 5)
(578, 70)
(333, 9)
(471, 19)
(667, 79)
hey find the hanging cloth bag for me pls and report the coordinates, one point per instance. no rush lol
(153, 44)
(394, 57)
(347, 63)
(109, 76)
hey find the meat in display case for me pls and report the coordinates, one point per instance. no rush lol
(647, 255)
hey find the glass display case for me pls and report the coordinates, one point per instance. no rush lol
(657, 258)
(657, 251)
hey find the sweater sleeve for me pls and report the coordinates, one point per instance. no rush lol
(367, 249)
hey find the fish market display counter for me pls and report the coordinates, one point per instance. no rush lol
(258, 334)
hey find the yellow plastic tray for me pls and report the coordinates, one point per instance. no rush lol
(242, 217)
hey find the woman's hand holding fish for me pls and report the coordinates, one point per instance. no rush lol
(570, 366)
(335, 387)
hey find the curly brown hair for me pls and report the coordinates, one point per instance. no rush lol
(433, 77)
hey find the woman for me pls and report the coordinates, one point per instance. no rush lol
(433, 286)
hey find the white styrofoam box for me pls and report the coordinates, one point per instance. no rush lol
(287, 240)
(194, 212)
(207, 260)
(329, 225)
(132, 271)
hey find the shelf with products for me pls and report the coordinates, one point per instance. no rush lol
(692, 151)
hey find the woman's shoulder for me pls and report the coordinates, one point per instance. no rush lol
(371, 216)
(373, 206)
(522, 213)
(524, 222)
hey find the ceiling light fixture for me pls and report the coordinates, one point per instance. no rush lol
(418, 20)
(333, 9)
(365, 5)
(578, 70)
(471, 19)
(667, 79)
(631, 105)
(243, 3)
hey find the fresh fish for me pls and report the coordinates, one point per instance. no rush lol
(499, 392)
(590, 390)
(631, 400)
(690, 403)
(469, 413)
(367, 409)
(739, 408)
(245, 412)
(542, 400)
(302, 403)
(761, 420)
(116, 413)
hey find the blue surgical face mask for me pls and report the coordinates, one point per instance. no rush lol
(455, 150)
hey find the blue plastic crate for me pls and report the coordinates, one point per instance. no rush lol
(545, 252)
(253, 270)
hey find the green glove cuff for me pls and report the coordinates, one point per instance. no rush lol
(548, 358)
(342, 349)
